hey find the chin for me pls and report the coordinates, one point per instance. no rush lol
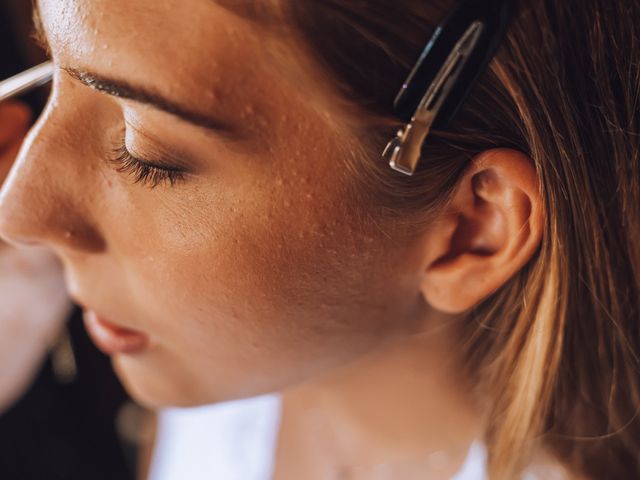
(155, 384)
(155, 390)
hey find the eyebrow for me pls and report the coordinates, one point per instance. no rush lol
(122, 89)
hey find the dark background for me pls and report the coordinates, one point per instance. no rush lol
(64, 428)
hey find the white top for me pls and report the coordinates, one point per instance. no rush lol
(237, 441)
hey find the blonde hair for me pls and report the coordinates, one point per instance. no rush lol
(555, 352)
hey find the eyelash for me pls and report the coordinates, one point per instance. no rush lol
(143, 172)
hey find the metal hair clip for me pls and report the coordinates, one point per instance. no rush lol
(448, 68)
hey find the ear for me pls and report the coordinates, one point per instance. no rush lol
(490, 230)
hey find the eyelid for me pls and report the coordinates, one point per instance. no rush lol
(142, 171)
(155, 163)
(154, 150)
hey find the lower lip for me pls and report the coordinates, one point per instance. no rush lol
(112, 339)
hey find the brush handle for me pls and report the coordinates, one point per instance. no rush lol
(26, 81)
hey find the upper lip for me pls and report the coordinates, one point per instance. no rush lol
(79, 296)
(87, 307)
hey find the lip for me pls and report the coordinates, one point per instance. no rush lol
(112, 339)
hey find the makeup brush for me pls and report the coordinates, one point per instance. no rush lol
(26, 81)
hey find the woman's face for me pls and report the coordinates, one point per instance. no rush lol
(248, 265)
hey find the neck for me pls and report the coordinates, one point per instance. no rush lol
(404, 406)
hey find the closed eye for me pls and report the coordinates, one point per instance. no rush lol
(142, 171)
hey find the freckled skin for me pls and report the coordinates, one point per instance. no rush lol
(260, 269)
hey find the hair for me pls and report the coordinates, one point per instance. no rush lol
(555, 351)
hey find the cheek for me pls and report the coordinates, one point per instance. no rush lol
(284, 262)
(258, 291)
(260, 258)
(257, 278)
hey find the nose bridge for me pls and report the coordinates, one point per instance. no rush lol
(46, 198)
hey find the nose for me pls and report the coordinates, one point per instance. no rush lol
(46, 199)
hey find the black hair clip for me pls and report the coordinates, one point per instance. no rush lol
(448, 68)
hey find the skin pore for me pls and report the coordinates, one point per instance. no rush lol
(256, 268)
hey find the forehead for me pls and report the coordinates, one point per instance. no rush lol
(170, 34)
(185, 45)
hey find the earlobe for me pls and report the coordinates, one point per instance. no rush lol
(490, 230)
